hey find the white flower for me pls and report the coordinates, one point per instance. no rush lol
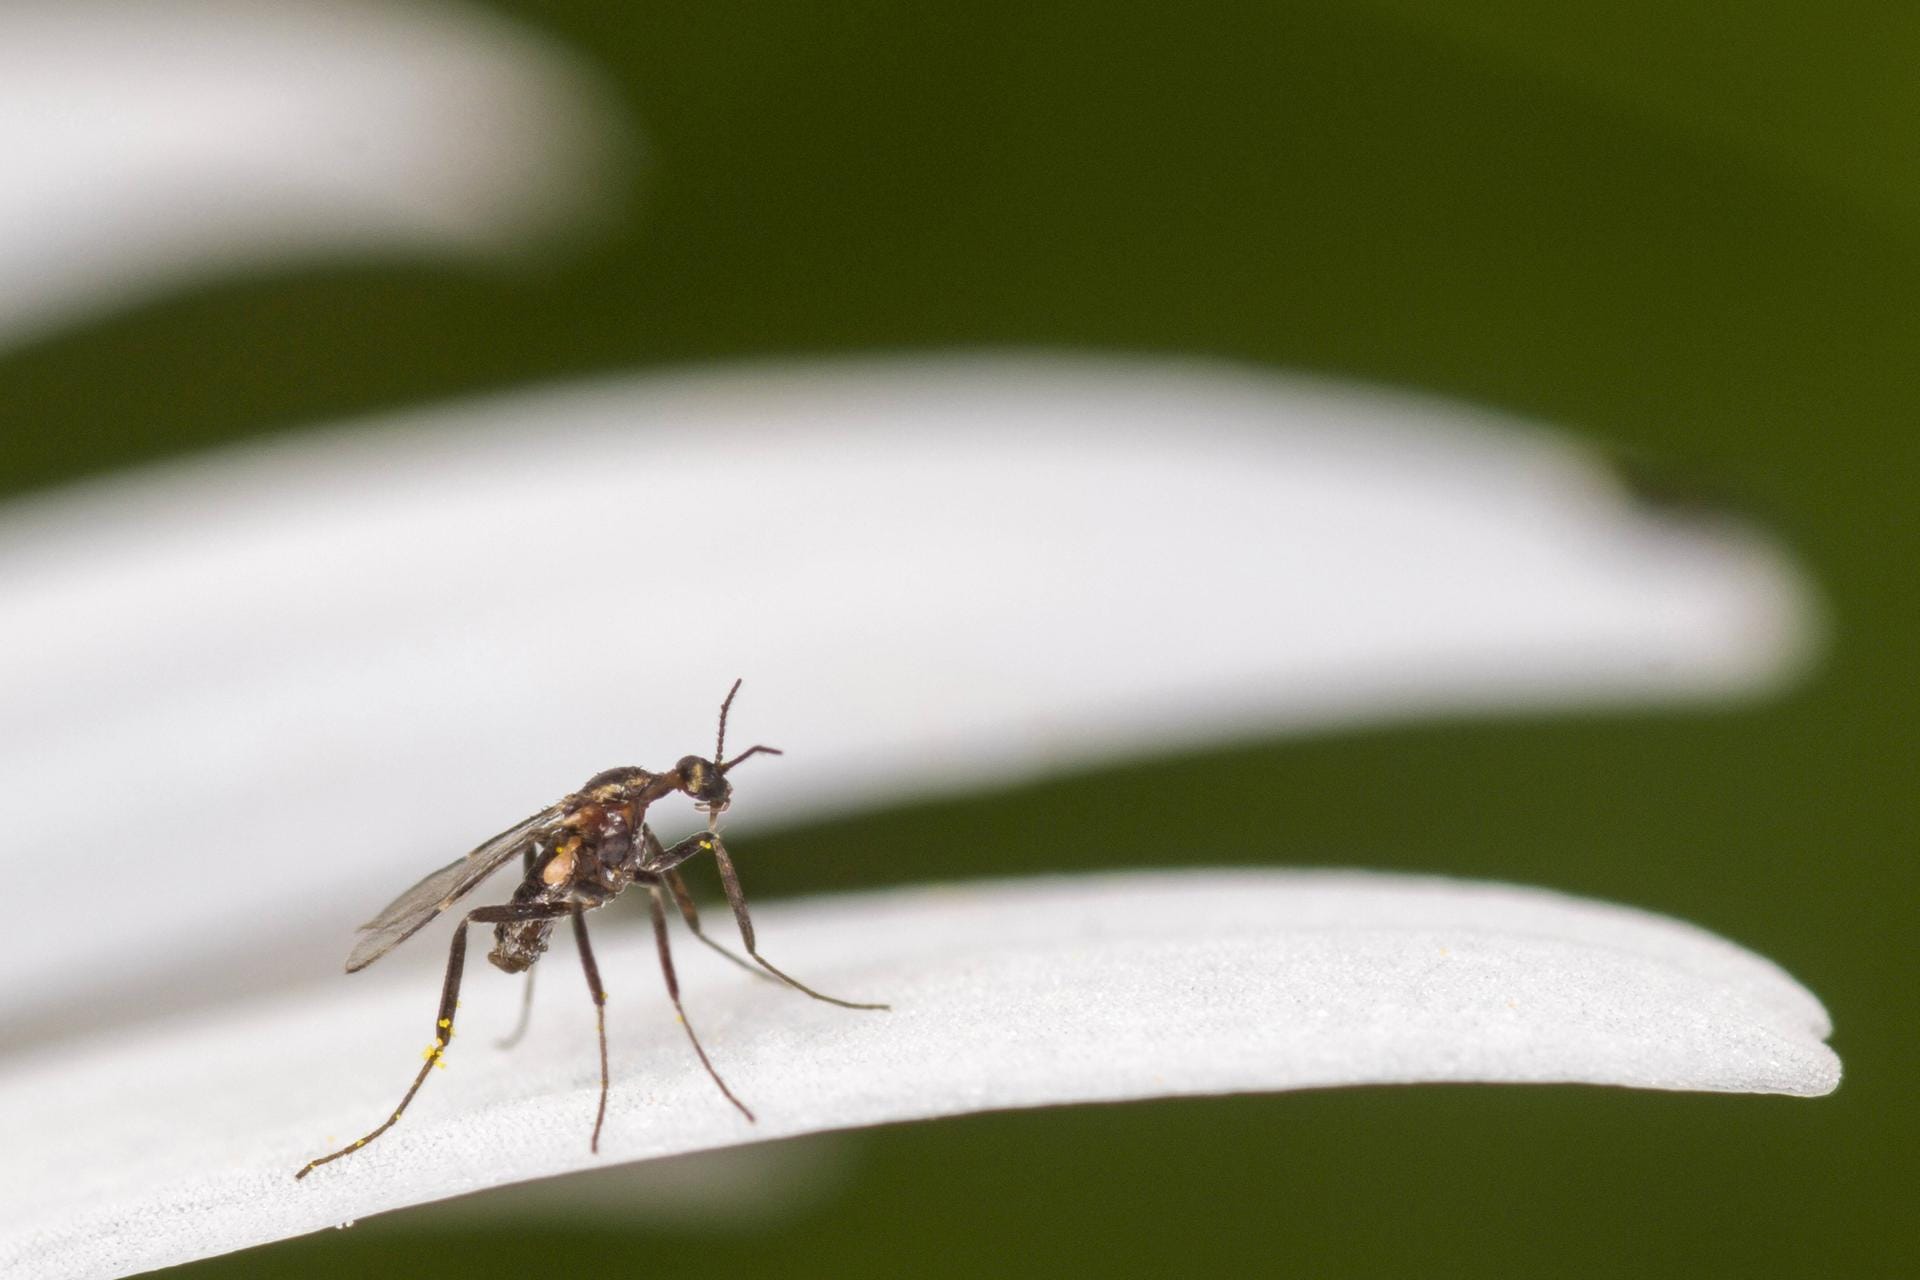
(273, 687)
(247, 698)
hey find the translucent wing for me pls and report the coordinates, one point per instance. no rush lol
(407, 914)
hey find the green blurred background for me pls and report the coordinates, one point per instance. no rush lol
(1689, 230)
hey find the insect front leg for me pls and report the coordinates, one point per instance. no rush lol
(655, 855)
(683, 898)
(449, 1001)
(709, 842)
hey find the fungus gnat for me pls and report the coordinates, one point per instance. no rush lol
(577, 855)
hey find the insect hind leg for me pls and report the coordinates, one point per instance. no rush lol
(443, 1022)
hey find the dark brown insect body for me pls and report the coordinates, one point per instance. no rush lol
(577, 855)
(594, 855)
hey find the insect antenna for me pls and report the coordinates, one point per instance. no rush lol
(750, 751)
(720, 741)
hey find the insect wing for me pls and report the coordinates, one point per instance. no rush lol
(407, 914)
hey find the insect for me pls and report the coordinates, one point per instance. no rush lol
(578, 854)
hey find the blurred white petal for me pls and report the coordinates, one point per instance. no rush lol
(147, 144)
(270, 688)
(180, 1141)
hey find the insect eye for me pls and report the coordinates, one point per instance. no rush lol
(701, 780)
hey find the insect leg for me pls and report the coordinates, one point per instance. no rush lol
(656, 855)
(599, 1013)
(691, 914)
(737, 899)
(526, 1000)
(519, 1031)
(659, 909)
(449, 1000)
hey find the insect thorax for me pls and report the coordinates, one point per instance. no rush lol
(628, 782)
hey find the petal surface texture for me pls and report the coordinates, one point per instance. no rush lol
(180, 1139)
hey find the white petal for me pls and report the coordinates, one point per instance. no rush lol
(264, 692)
(144, 144)
(181, 1141)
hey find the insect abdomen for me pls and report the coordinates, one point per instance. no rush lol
(518, 943)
